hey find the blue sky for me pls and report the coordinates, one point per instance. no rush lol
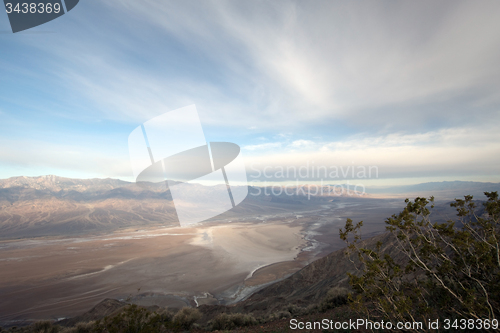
(410, 87)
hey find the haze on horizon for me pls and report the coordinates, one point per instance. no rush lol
(412, 88)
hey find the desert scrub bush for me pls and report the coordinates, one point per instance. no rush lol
(335, 297)
(449, 272)
(185, 318)
(133, 319)
(311, 308)
(87, 327)
(82, 327)
(229, 321)
(279, 315)
(41, 327)
(165, 314)
(295, 310)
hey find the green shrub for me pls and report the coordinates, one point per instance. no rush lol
(82, 327)
(279, 315)
(229, 321)
(134, 319)
(311, 308)
(186, 317)
(448, 272)
(295, 310)
(42, 327)
(334, 297)
(164, 315)
(85, 327)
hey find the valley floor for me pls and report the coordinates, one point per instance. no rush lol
(220, 262)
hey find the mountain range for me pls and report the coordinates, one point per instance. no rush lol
(57, 206)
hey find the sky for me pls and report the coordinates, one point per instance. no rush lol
(410, 88)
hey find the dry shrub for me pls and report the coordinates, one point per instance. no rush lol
(42, 327)
(334, 297)
(227, 321)
(279, 315)
(186, 317)
(82, 327)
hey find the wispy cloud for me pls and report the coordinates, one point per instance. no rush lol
(263, 146)
(285, 64)
(404, 61)
(478, 137)
(302, 144)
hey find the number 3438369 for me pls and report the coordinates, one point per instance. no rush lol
(33, 7)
